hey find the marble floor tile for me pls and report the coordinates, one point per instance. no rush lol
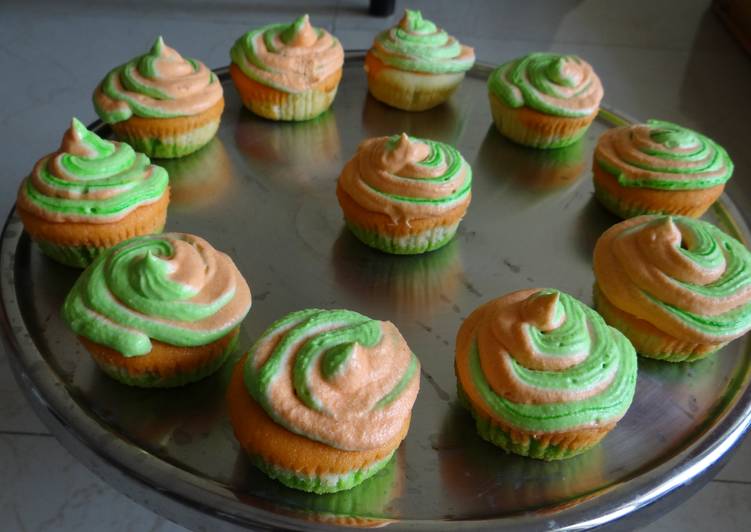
(718, 506)
(739, 467)
(46, 490)
(16, 415)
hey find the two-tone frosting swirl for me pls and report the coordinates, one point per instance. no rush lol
(288, 57)
(541, 361)
(662, 155)
(560, 85)
(175, 288)
(685, 276)
(406, 178)
(159, 84)
(90, 179)
(418, 45)
(335, 376)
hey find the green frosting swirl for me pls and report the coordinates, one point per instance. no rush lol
(663, 155)
(272, 56)
(417, 45)
(91, 178)
(320, 342)
(559, 85)
(609, 355)
(128, 295)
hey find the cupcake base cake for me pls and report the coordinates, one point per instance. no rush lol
(286, 106)
(540, 445)
(169, 138)
(78, 244)
(166, 366)
(531, 128)
(378, 230)
(409, 91)
(647, 339)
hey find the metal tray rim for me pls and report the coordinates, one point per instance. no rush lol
(48, 395)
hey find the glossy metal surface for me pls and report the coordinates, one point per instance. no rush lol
(264, 192)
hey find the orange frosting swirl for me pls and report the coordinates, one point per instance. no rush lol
(684, 276)
(288, 57)
(335, 376)
(407, 178)
(159, 84)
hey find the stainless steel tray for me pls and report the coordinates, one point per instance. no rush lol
(264, 192)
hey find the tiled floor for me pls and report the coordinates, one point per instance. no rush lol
(671, 60)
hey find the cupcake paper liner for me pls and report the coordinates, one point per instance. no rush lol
(154, 380)
(554, 446)
(683, 203)
(428, 240)
(649, 341)
(80, 256)
(320, 483)
(75, 256)
(412, 92)
(278, 105)
(550, 131)
(166, 144)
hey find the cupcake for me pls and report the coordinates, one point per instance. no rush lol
(160, 103)
(159, 311)
(89, 195)
(287, 71)
(416, 65)
(679, 288)
(544, 100)
(542, 374)
(658, 168)
(324, 398)
(404, 195)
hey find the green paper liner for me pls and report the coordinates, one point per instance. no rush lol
(401, 245)
(532, 448)
(316, 484)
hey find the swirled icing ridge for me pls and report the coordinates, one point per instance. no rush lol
(334, 376)
(407, 177)
(684, 276)
(175, 288)
(90, 179)
(560, 85)
(158, 84)
(416, 44)
(542, 361)
(662, 155)
(288, 57)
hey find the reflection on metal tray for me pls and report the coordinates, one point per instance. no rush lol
(264, 192)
